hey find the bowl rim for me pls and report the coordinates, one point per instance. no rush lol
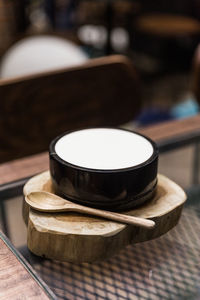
(54, 155)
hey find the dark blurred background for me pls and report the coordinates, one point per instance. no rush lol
(161, 30)
(159, 36)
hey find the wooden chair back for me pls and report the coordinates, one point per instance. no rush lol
(35, 109)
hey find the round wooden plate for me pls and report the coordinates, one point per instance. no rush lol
(82, 238)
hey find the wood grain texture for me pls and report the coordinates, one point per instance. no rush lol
(80, 238)
(15, 280)
(29, 166)
(172, 129)
(35, 109)
(23, 168)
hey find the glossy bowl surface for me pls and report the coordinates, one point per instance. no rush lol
(114, 189)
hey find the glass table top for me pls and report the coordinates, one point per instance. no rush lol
(165, 268)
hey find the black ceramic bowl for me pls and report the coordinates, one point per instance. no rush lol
(106, 168)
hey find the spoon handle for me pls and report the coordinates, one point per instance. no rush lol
(122, 218)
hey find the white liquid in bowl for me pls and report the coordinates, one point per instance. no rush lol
(104, 148)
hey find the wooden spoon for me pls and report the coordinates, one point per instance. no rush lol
(47, 202)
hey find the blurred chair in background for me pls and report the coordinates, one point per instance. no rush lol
(36, 54)
(167, 25)
(35, 109)
(167, 35)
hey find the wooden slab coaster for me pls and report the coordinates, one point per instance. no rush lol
(82, 238)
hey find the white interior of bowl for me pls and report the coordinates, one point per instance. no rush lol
(104, 148)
